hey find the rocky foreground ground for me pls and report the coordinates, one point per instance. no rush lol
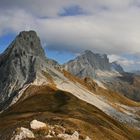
(42, 131)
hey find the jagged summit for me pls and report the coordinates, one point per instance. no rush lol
(89, 52)
(87, 63)
(27, 42)
(19, 64)
(99, 61)
(86, 52)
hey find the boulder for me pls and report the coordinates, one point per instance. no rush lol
(36, 125)
(74, 136)
(22, 133)
(87, 138)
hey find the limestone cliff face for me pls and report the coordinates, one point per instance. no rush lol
(87, 63)
(19, 64)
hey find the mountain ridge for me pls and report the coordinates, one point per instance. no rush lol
(54, 93)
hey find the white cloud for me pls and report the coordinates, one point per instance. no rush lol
(15, 21)
(111, 26)
(121, 60)
(126, 63)
(53, 7)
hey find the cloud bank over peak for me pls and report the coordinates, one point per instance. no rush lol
(109, 26)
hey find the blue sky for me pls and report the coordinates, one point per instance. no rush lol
(61, 57)
(5, 41)
(72, 10)
(68, 27)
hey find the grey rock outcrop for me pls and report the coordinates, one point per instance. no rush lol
(19, 65)
(87, 63)
(22, 134)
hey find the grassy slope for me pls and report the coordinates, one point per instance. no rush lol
(108, 94)
(59, 107)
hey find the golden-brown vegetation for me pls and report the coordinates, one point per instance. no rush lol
(62, 108)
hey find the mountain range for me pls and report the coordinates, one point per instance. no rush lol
(110, 75)
(86, 96)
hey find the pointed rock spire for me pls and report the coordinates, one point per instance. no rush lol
(19, 64)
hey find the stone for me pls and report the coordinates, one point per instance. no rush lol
(22, 133)
(59, 129)
(36, 125)
(87, 138)
(74, 136)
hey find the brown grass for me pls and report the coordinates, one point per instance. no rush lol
(108, 94)
(59, 107)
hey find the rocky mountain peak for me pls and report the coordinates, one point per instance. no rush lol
(87, 63)
(99, 58)
(89, 52)
(26, 43)
(20, 63)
